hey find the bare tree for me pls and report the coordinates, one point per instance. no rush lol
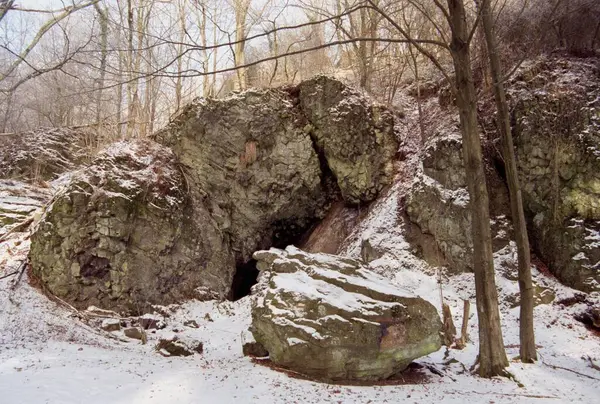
(526, 332)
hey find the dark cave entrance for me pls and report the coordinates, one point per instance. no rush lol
(285, 232)
(244, 278)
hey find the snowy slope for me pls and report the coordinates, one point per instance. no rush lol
(47, 355)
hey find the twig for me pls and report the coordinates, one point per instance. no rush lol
(570, 370)
(592, 364)
(11, 274)
(21, 271)
(508, 394)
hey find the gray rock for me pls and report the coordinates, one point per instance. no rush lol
(328, 317)
(123, 234)
(134, 333)
(175, 346)
(356, 136)
(111, 324)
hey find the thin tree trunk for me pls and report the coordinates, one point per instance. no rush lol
(492, 357)
(526, 333)
(103, 15)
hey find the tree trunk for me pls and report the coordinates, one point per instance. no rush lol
(492, 357)
(526, 333)
(241, 13)
(103, 16)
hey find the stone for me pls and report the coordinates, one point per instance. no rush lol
(330, 318)
(111, 324)
(175, 346)
(191, 324)
(355, 135)
(134, 333)
(252, 348)
(590, 317)
(123, 234)
(151, 322)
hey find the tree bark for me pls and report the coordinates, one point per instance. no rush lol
(526, 332)
(103, 16)
(492, 356)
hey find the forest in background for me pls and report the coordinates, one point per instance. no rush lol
(126, 67)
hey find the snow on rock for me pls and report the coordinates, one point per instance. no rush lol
(331, 318)
(18, 200)
(124, 235)
(44, 153)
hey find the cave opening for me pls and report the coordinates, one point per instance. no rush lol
(244, 278)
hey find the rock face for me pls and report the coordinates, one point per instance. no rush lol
(123, 233)
(144, 224)
(356, 136)
(253, 161)
(556, 115)
(438, 204)
(330, 318)
(43, 153)
(270, 161)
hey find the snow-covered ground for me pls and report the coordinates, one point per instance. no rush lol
(47, 355)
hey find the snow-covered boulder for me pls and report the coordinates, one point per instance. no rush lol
(329, 317)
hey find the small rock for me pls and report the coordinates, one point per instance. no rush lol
(151, 321)
(590, 317)
(111, 324)
(175, 346)
(191, 324)
(252, 348)
(207, 317)
(134, 333)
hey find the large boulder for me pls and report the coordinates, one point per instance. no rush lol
(356, 136)
(271, 161)
(328, 317)
(123, 233)
(253, 161)
(556, 115)
(151, 223)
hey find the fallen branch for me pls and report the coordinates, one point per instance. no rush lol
(569, 370)
(10, 274)
(592, 364)
(507, 394)
(20, 271)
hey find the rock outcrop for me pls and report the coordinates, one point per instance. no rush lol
(330, 318)
(355, 136)
(18, 201)
(124, 233)
(438, 204)
(150, 223)
(44, 153)
(556, 115)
